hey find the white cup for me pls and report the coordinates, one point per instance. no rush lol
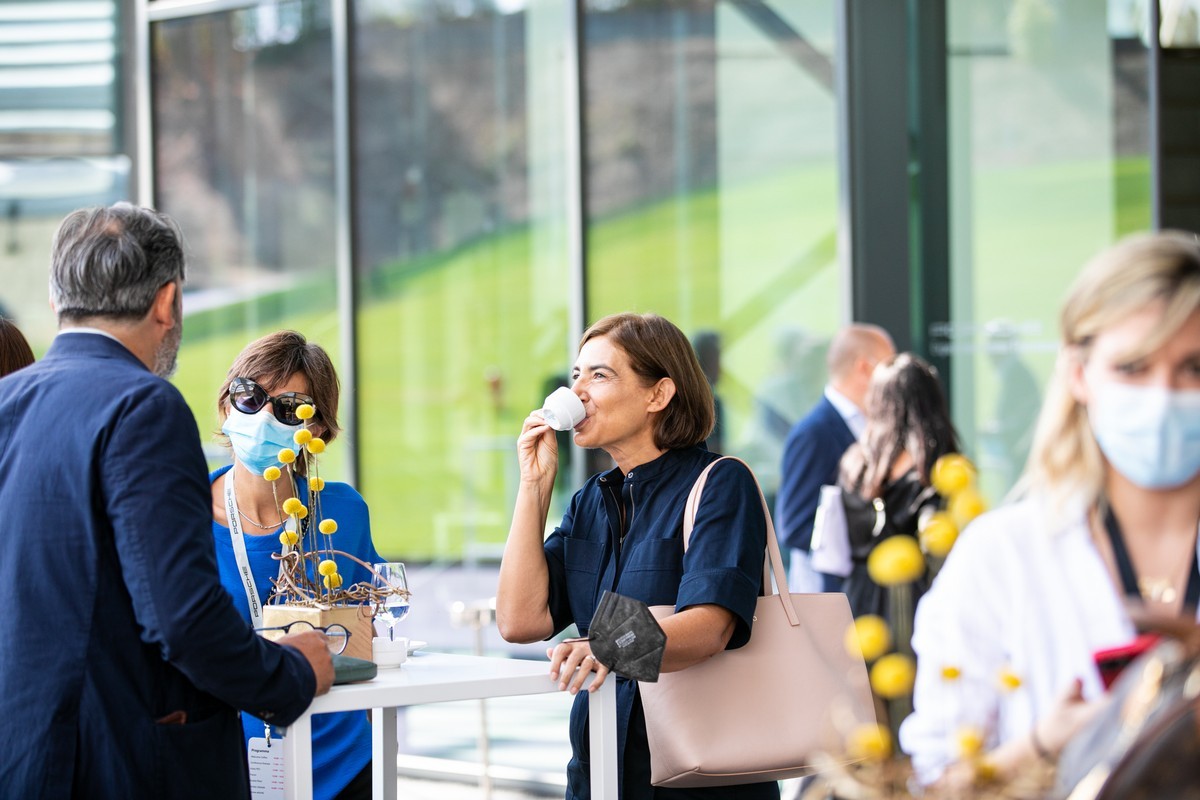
(563, 409)
(389, 652)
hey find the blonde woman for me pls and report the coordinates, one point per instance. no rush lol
(1107, 515)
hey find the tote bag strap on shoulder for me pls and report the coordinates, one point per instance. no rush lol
(772, 561)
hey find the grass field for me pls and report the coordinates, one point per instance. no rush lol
(456, 348)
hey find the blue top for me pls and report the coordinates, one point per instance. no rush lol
(723, 566)
(811, 455)
(341, 741)
(123, 659)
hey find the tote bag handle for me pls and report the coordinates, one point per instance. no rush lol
(772, 560)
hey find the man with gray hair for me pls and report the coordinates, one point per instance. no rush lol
(817, 443)
(124, 659)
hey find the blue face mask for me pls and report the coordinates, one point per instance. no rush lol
(1149, 434)
(257, 439)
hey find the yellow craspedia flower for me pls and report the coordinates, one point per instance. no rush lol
(292, 505)
(287, 455)
(893, 675)
(333, 581)
(969, 742)
(966, 506)
(869, 635)
(288, 538)
(316, 446)
(302, 436)
(302, 512)
(951, 673)
(1008, 680)
(272, 473)
(305, 411)
(316, 484)
(872, 742)
(327, 526)
(327, 567)
(985, 771)
(951, 474)
(938, 534)
(896, 560)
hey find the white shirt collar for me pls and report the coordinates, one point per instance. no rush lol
(853, 416)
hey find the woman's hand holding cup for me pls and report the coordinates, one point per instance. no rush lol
(537, 447)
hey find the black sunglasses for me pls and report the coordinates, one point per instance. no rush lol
(250, 398)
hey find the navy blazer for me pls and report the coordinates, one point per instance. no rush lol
(811, 455)
(123, 658)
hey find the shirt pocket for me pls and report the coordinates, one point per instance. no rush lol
(581, 555)
(656, 555)
(582, 560)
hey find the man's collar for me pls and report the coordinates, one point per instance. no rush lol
(97, 331)
(850, 413)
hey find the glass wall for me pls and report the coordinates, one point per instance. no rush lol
(711, 198)
(1049, 163)
(713, 195)
(243, 159)
(464, 283)
(62, 142)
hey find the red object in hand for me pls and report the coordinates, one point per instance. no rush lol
(1113, 660)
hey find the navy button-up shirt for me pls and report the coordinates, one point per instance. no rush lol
(624, 533)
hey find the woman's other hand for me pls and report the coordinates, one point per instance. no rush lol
(1046, 740)
(1071, 713)
(537, 451)
(571, 663)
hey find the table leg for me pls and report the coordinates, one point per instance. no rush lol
(602, 722)
(384, 746)
(297, 759)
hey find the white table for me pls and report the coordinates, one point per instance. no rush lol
(439, 678)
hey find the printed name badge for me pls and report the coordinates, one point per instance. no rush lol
(266, 769)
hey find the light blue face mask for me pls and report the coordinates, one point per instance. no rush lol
(1149, 434)
(257, 439)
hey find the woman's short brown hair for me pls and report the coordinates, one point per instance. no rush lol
(657, 349)
(274, 359)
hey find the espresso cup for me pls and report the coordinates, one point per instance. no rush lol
(389, 652)
(563, 409)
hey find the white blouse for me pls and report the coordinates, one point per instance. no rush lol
(1019, 592)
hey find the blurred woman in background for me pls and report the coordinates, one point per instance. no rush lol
(15, 352)
(1108, 516)
(885, 476)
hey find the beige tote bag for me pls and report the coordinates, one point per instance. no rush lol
(759, 712)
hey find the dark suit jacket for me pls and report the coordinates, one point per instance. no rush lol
(811, 454)
(111, 613)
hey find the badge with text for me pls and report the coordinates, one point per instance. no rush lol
(265, 758)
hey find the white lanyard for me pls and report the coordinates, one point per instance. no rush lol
(239, 552)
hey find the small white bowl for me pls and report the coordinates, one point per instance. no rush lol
(389, 652)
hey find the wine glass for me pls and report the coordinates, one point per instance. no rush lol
(393, 607)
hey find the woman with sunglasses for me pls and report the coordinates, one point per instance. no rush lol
(268, 381)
